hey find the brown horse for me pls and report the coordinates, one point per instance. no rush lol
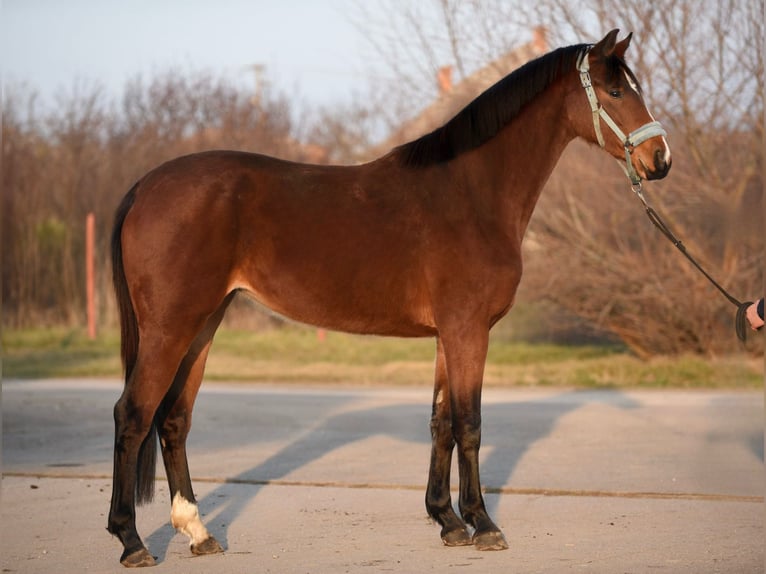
(422, 242)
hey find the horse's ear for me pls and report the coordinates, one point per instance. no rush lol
(606, 46)
(619, 49)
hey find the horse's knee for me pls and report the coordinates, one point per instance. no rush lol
(441, 423)
(467, 434)
(441, 431)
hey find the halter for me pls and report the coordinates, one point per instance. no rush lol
(633, 139)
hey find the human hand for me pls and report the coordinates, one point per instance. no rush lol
(752, 317)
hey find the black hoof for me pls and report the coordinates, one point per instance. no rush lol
(490, 540)
(208, 546)
(137, 559)
(457, 537)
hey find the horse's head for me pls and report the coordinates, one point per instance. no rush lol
(607, 108)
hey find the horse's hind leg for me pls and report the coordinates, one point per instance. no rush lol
(174, 423)
(151, 377)
(438, 499)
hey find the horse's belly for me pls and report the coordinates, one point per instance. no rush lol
(350, 307)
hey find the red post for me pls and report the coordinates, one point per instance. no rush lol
(90, 273)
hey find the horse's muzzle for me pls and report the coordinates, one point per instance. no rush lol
(661, 167)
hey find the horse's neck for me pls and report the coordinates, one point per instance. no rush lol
(520, 159)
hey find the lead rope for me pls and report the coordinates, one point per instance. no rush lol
(740, 321)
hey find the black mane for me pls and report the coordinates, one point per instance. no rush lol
(485, 116)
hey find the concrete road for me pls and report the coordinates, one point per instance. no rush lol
(312, 480)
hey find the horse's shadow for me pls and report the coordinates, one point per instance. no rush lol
(510, 429)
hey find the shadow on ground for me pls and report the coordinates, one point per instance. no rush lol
(510, 430)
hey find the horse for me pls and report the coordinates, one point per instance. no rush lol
(424, 241)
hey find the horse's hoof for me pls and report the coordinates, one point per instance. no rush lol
(138, 559)
(490, 540)
(208, 546)
(459, 537)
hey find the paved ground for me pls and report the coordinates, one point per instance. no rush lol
(331, 480)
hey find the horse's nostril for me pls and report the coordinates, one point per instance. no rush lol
(662, 162)
(660, 158)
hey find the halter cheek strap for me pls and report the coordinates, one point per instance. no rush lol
(629, 142)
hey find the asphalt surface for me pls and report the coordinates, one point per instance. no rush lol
(313, 480)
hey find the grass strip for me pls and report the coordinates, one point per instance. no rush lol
(300, 355)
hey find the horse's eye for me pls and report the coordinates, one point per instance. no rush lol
(615, 93)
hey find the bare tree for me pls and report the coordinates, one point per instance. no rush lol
(83, 154)
(412, 40)
(700, 63)
(589, 249)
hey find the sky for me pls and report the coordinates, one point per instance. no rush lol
(310, 48)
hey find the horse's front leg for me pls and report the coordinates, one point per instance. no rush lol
(465, 357)
(438, 499)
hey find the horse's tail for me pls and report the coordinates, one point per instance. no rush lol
(129, 339)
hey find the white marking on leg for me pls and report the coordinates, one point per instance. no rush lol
(184, 516)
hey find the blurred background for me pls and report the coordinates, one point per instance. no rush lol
(95, 94)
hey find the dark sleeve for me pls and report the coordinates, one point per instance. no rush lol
(760, 307)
